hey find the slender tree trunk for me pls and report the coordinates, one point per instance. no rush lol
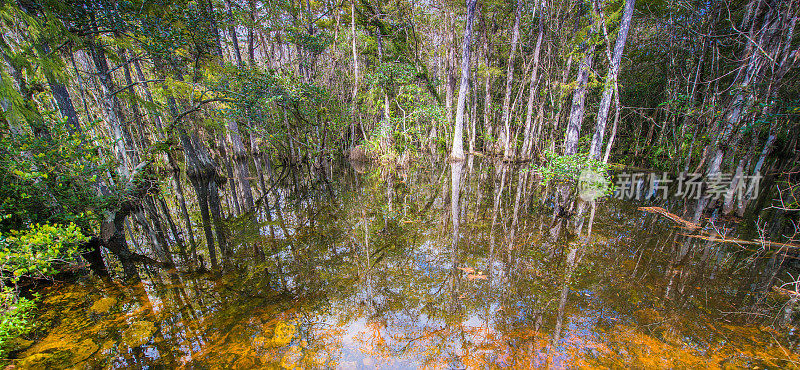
(355, 71)
(216, 216)
(148, 96)
(234, 38)
(611, 78)
(578, 101)
(473, 113)
(561, 100)
(226, 160)
(110, 107)
(457, 152)
(751, 187)
(449, 62)
(176, 178)
(762, 45)
(200, 169)
(510, 80)
(242, 166)
(62, 97)
(251, 51)
(143, 139)
(527, 142)
(614, 128)
(487, 98)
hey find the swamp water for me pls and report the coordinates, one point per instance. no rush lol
(444, 266)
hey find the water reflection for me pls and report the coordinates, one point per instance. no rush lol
(460, 265)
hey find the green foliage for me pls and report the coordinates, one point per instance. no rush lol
(49, 181)
(567, 168)
(316, 43)
(15, 313)
(33, 252)
(391, 75)
(280, 107)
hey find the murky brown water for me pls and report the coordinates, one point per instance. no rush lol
(369, 269)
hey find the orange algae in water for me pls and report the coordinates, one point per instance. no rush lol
(138, 333)
(103, 305)
(57, 351)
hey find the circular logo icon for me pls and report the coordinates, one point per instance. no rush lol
(591, 185)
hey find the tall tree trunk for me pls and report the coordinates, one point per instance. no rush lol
(578, 101)
(473, 112)
(110, 107)
(510, 80)
(200, 170)
(613, 128)
(457, 152)
(448, 68)
(62, 97)
(355, 72)
(226, 160)
(559, 112)
(242, 166)
(143, 139)
(239, 150)
(385, 123)
(251, 51)
(156, 118)
(527, 142)
(181, 200)
(234, 38)
(487, 93)
(610, 83)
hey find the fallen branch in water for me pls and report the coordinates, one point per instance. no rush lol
(744, 242)
(784, 291)
(686, 224)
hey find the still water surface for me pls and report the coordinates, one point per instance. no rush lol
(442, 266)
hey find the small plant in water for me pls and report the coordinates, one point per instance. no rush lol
(589, 174)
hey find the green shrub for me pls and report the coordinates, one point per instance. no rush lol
(14, 320)
(568, 168)
(33, 253)
(590, 175)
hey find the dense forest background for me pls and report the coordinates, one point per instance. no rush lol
(164, 116)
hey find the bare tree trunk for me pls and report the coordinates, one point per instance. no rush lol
(143, 141)
(510, 80)
(226, 160)
(242, 166)
(614, 128)
(561, 100)
(176, 178)
(757, 168)
(578, 99)
(527, 142)
(457, 152)
(448, 67)
(110, 107)
(62, 97)
(251, 51)
(234, 38)
(473, 112)
(487, 95)
(385, 124)
(355, 71)
(611, 80)
(148, 95)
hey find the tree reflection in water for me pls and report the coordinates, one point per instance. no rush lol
(380, 268)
